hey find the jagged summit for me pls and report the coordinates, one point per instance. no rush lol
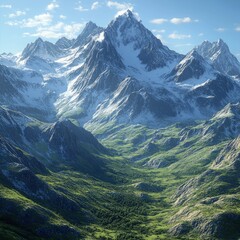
(64, 43)
(128, 29)
(90, 25)
(212, 49)
(219, 55)
(129, 36)
(192, 66)
(194, 53)
(221, 42)
(42, 49)
(39, 40)
(128, 14)
(87, 33)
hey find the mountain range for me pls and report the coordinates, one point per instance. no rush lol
(163, 156)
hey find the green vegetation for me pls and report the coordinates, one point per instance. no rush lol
(117, 208)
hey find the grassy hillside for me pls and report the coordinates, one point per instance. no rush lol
(158, 184)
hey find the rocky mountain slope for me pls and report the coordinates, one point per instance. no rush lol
(218, 54)
(125, 73)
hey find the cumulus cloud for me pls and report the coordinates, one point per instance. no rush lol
(122, 8)
(6, 6)
(42, 26)
(12, 23)
(159, 36)
(52, 6)
(159, 20)
(80, 8)
(95, 6)
(39, 20)
(62, 16)
(119, 6)
(173, 20)
(220, 29)
(58, 30)
(17, 14)
(237, 29)
(181, 20)
(176, 35)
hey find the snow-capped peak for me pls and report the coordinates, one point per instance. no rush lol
(122, 73)
(218, 54)
(64, 43)
(126, 28)
(192, 66)
(127, 13)
(220, 41)
(189, 57)
(100, 37)
(8, 59)
(39, 41)
(43, 49)
(90, 30)
(129, 36)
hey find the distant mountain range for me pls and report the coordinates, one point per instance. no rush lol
(123, 73)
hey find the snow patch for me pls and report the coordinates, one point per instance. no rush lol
(100, 37)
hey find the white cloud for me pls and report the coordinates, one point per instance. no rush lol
(52, 6)
(17, 14)
(13, 23)
(173, 20)
(237, 29)
(220, 29)
(62, 16)
(122, 8)
(72, 30)
(58, 30)
(39, 20)
(80, 8)
(95, 6)
(159, 31)
(176, 35)
(159, 36)
(6, 6)
(201, 34)
(119, 6)
(159, 21)
(181, 20)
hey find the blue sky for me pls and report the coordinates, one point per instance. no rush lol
(180, 24)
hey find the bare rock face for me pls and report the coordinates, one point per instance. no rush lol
(221, 226)
(220, 56)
